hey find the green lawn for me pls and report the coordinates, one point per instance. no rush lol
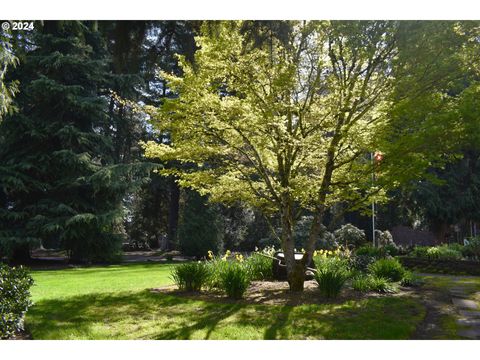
(113, 303)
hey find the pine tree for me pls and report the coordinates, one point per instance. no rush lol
(57, 172)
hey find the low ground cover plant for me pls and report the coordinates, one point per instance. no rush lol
(368, 282)
(409, 279)
(15, 283)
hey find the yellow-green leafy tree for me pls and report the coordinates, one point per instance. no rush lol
(283, 125)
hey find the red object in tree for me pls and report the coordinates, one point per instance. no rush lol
(378, 156)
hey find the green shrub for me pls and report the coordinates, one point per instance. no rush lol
(361, 262)
(331, 275)
(15, 286)
(409, 279)
(234, 279)
(191, 276)
(260, 267)
(387, 268)
(455, 246)
(364, 256)
(366, 283)
(472, 249)
(381, 285)
(420, 252)
(362, 283)
(391, 249)
(443, 252)
(371, 251)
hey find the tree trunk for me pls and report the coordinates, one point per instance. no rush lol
(295, 269)
(173, 210)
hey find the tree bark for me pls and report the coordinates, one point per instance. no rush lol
(173, 211)
(295, 269)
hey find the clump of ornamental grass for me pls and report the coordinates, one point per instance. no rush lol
(390, 269)
(191, 276)
(234, 279)
(331, 275)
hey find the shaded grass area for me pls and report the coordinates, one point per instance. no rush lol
(113, 303)
(146, 315)
(446, 314)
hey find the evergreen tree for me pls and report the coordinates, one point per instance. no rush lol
(61, 187)
(198, 230)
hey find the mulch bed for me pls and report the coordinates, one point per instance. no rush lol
(277, 293)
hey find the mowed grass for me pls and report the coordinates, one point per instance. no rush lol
(56, 284)
(114, 303)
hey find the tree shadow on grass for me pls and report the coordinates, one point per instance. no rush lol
(145, 315)
(114, 315)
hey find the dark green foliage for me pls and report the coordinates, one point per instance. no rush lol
(191, 276)
(149, 213)
(60, 184)
(390, 269)
(234, 279)
(260, 267)
(15, 286)
(331, 275)
(472, 249)
(371, 251)
(419, 251)
(198, 228)
(364, 256)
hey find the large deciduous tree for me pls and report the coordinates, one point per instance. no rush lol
(285, 124)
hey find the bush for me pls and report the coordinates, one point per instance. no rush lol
(391, 250)
(331, 275)
(366, 283)
(472, 249)
(361, 283)
(443, 252)
(364, 256)
(350, 235)
(191, 276)
(409, 279)
(361, 262)
(390, 269)
(260, 267)
(15, 286)
(234, 279)
(371, 251)
(420, 252)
